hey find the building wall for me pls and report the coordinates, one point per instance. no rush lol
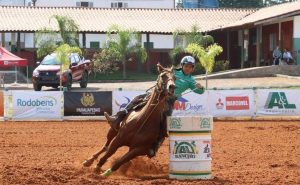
(287, 35)
(107, 3)
(296, 37)
(267, 31)
(13, 2)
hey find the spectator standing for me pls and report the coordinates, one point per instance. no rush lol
(276, 56)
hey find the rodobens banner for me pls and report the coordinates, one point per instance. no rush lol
(87, 103)
(278, 102)
(31, 105)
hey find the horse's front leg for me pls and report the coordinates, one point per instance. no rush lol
(132, 153)
(110, 136)
(116, 143)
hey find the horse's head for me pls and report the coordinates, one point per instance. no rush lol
(166, 80)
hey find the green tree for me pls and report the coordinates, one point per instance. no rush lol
(122, 45)
(274, 2)
(206, 56)
(47, 39)
(241, 4)
(62, 54)
(186, 38)
(250, 3)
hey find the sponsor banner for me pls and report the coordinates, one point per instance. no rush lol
(188, 123)
(190, 149)
(87, 103)
(231, 103)
(278, 102)
(122, 98)
(1, 104)
(30, 105)
(191, 104)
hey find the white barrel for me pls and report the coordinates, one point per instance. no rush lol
(190, 147)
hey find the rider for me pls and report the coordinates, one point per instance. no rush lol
(184, 80)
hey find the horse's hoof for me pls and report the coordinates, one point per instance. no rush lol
(107, 173)
(97, 169)
(87, 163)
(151, 153)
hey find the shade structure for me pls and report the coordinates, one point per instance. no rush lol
(7, 59)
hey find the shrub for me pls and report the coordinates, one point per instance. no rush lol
(221, 65)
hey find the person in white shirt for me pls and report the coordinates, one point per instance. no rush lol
(287, 56)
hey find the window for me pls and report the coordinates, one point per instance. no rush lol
(119, 5)
(178, 41)
(95, 45)
(84, 4)
(150, 45)
(273, 41)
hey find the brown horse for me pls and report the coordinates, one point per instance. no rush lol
(140, 129)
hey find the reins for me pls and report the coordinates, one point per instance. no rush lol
(155, 105)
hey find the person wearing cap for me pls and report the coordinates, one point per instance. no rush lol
(184, 81)
(184, 78)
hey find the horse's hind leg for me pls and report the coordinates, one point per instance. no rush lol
(132, 153)
(109, 137)
(111, 150)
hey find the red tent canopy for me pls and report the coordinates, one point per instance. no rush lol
(7, 59)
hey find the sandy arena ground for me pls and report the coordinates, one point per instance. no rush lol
(52, 153)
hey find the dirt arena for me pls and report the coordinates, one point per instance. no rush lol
(52, 153)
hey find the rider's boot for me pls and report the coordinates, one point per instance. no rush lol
(115, 120)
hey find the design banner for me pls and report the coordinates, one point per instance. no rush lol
(87, 103)
(30, 105)
(191, 104)
(122, 98)
(278, 102)
(231, 103)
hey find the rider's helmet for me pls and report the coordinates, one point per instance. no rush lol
(187, 60)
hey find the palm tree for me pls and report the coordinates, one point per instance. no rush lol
(206, 56)
(189, 37)
(48, 40)
(62, 55)
(124, 43)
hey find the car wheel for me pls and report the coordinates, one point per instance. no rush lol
(37, 87)
(55, 86)
(69, 83)
(84, 80)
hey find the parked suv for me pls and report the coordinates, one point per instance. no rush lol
(48, 72)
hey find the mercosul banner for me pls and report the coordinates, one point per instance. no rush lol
(231, 103)
(278, 102)
(29, 105)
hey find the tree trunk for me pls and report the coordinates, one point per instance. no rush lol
(124, 69)
(206, 80)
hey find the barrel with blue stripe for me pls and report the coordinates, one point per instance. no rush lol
(190, 147)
